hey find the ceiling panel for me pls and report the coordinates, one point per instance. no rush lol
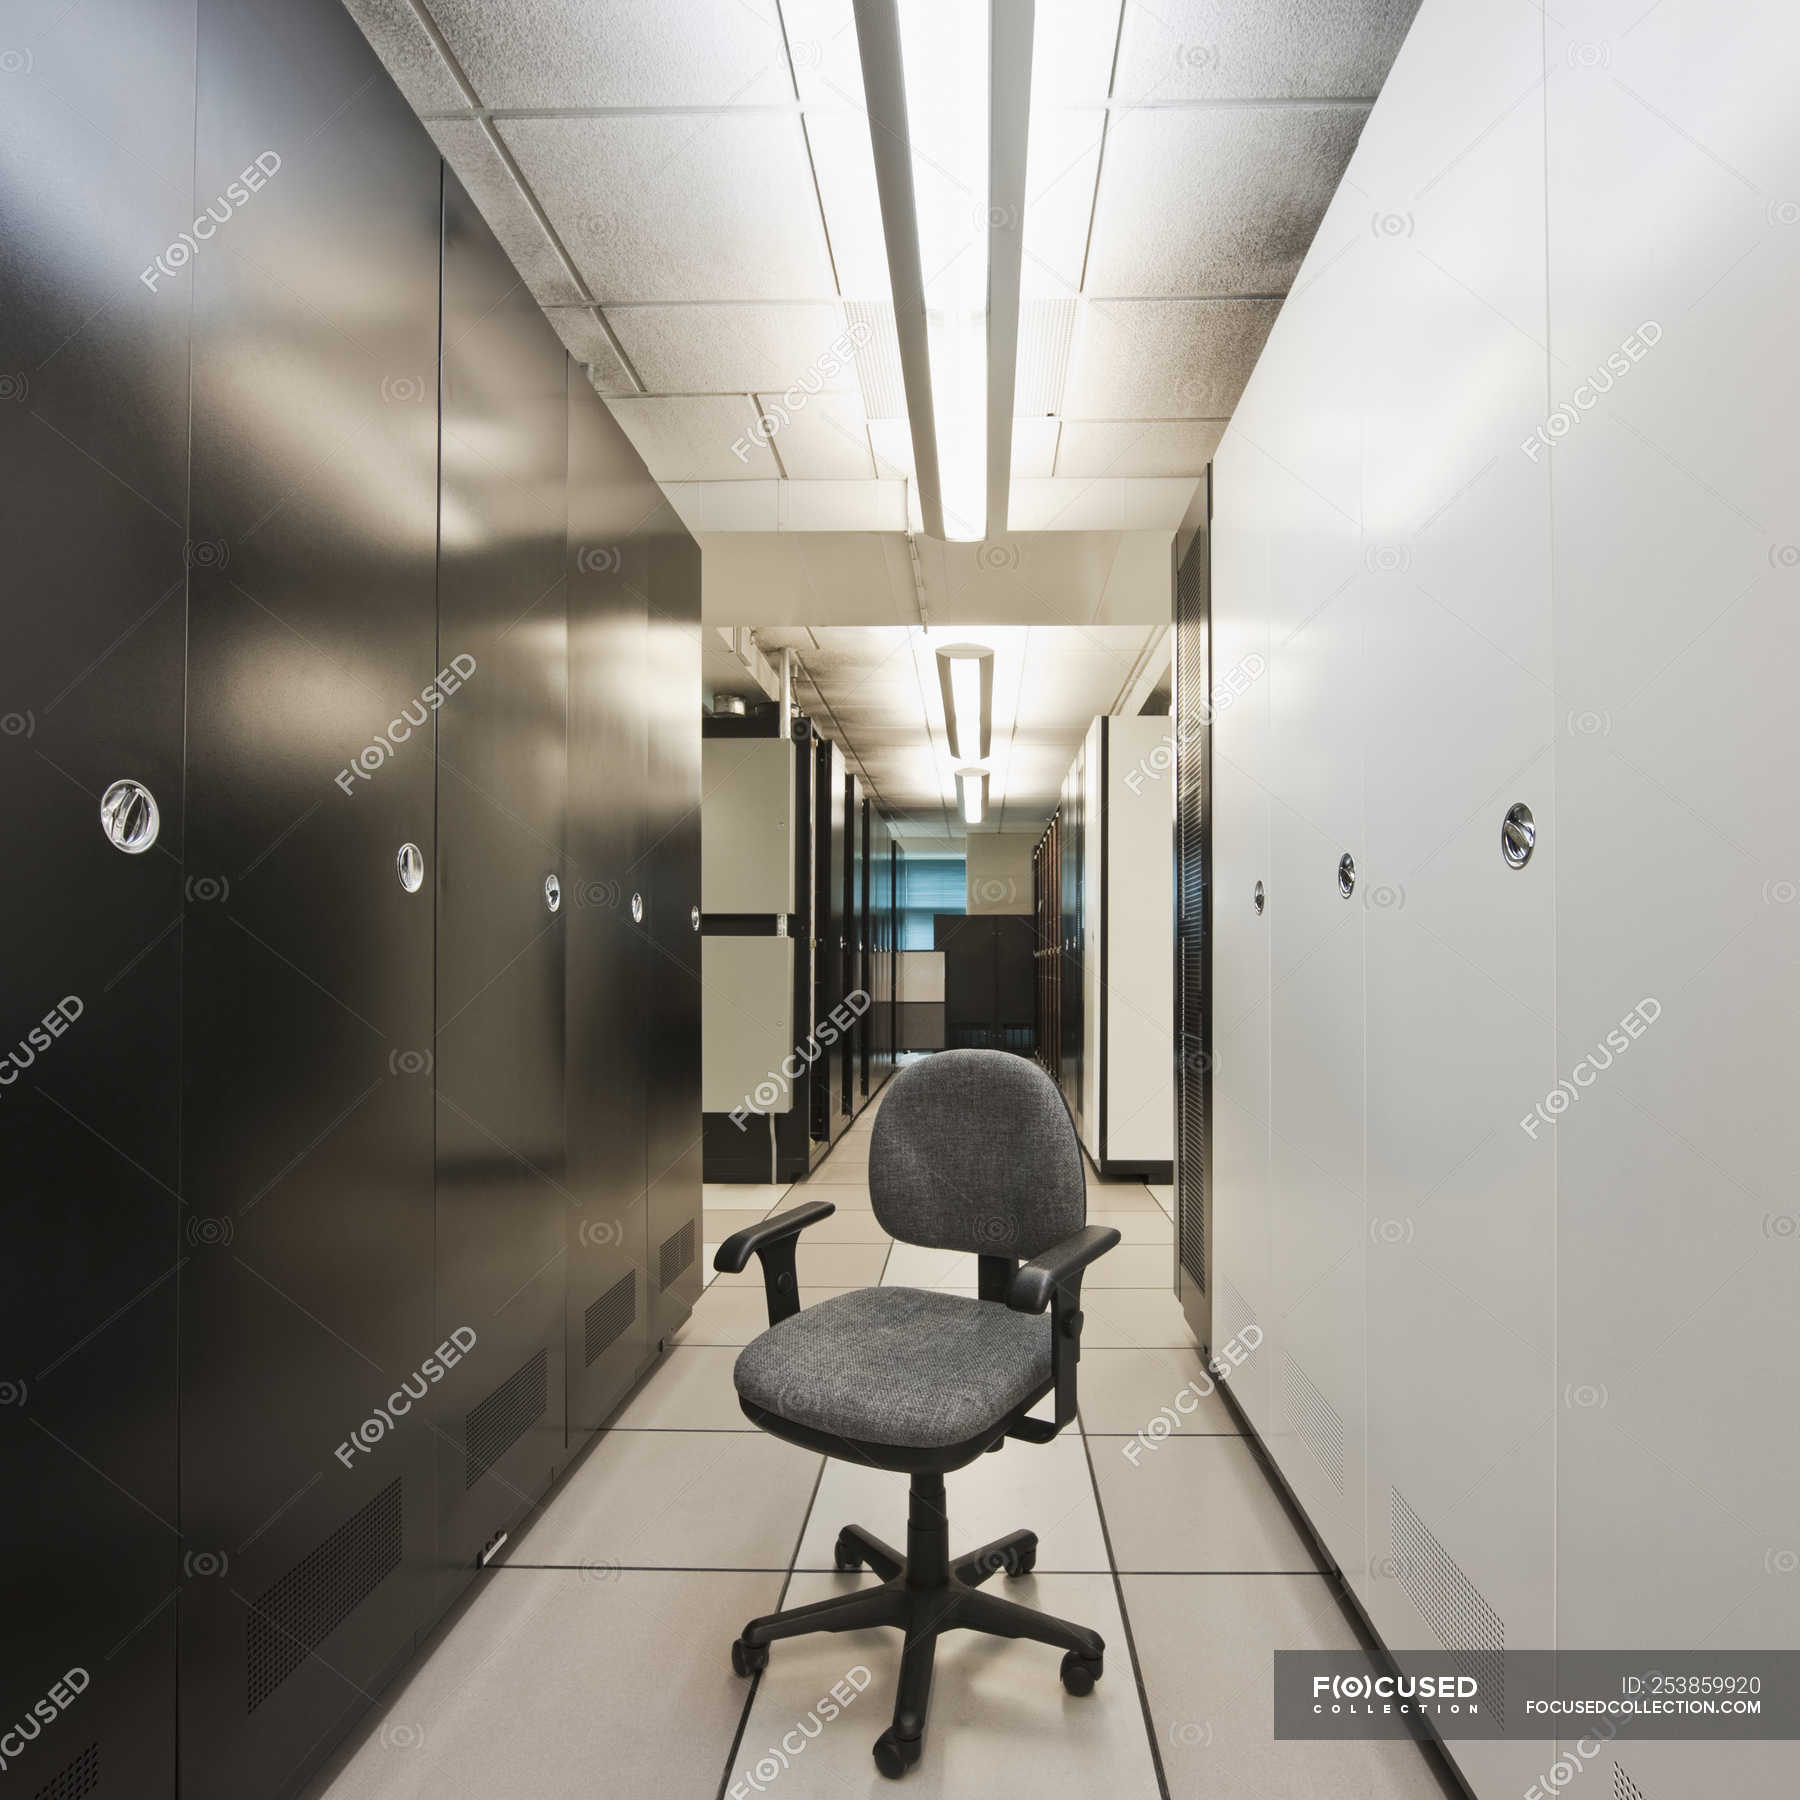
(1072, 52)
(1261, 178)
(714, 206)
(822, 43)
(845, 165)
(585, 339)
(819, 437)
(1223, 50)
(1100, 504)
(1140, 447)
(1062, 158)
(891, 440)
(406, 50)
(502, 203)
(594, 53)
(733, 348)
(1034, 446)
(1164, 359)
(694, 434)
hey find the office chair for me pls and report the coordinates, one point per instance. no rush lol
(973, 1150)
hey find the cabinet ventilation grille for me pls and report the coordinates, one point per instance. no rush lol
(607, 1318)
(82, 1776)
(1624, 1788)
(677, 1254)
(1316, 1419)
(293, 1617)
(493, 1427)
(1452, 1605)
(1232, 1314)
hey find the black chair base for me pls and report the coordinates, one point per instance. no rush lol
(925, 1595)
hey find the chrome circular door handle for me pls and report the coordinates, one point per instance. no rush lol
(694, 917)
(1346, 874)
(409, 865)
(1518, 835)
(1259, 899)
(552, 892)
(637, 909)
(129, 817)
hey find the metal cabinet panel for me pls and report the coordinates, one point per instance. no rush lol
(93, 440)
(307, 1235)
(832, 852)
(612, 504)
(747, 826)
(673, 939)
(502, 615)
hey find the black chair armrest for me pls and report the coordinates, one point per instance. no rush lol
(775, 1241)
(1037, 1281)
(1054, 1280)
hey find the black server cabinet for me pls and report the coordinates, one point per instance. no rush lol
(503, 625)
(306, 1243)
(865, 939)
(855, 855)
(611, 505)
(93, 441)
(1073, 864)
(672, 862)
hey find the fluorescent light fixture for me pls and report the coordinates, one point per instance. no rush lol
(944, 46)
(972, 794)
(966, 676)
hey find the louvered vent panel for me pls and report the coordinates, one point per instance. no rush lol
(1046, 330)
(676, 1254)
(877, 358)
(1318, 1422)
(1452, 1604)
(607, 1319)
(1624, 1788)
(292, 1617)
(498, 1422)
(82, 1776)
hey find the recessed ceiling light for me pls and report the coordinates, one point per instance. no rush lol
(966, 676)
(972, 794)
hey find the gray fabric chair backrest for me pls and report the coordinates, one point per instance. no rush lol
(974, 1150)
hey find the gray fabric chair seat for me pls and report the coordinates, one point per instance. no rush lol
(898, 1365)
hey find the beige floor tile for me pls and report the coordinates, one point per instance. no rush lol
(690, 1389)
(1140, 1318)
(1123, 1390)
(735, 1315)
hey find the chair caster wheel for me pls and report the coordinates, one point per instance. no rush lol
(1020, 1560)
(748, 1659)
(1079, 1673)
(846, 1555)
(895, 1755)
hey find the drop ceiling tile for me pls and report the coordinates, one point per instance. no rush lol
(1108, 505)
(680, 206)
(1299, 49)
(704, 437)
(501, 201)
(1072, 52)
(891, 440)
(1144, 447)
(818, 437)
(585, 339)
(844, 506)
(1164, 359)
(822, 44)
(1261, 177)
(1061, 161)
(1034, 447)
(736, 349)
(594, 53)
(846, 170)
(407, 52)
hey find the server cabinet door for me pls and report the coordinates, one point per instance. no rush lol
(855, 849)
(606, 1222)
(502, 604)
(306, 1243)
(93, 441)
(865, 941)
(672, 1016)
